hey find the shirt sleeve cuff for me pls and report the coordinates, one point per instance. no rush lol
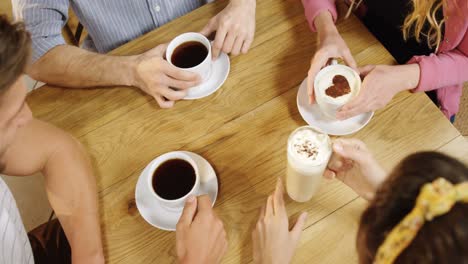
(429, 72)
(314, 7)
(41, 45)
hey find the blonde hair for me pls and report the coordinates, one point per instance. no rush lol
(413, 26)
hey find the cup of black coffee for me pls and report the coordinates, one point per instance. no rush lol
(191, 52)
(174, 177)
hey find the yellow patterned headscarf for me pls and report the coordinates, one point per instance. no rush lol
(434, 199)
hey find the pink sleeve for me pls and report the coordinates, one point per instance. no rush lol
(444, 69)
(313, 7)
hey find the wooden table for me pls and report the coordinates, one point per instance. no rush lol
(242, 130)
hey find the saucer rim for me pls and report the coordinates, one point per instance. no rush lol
(367, 119)
(191, 154)
(210, 92)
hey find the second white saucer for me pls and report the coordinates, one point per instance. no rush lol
(161, 217)
(314, 116)
(219, 73)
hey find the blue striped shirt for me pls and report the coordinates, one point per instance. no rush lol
(110, 23)
(14, 242)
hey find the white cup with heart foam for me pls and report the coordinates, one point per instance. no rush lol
(330, 97)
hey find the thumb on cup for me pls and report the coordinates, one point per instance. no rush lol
(189, 211)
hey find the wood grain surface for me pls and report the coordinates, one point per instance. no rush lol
(242, 131)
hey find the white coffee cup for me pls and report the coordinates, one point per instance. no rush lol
(324, 79)
(204, 68)
(177, 204)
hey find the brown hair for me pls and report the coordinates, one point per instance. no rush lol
(15, 50)
(442, 240)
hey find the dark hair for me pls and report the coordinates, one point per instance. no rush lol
(442, 240)
(15, 51)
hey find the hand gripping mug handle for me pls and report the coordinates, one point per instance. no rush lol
(333, 62)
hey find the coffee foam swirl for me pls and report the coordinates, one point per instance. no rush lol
(310, 146)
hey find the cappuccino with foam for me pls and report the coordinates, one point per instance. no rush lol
(309, 151)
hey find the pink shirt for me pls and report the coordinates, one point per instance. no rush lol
(445, 71)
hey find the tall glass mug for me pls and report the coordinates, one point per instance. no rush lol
(309, 151)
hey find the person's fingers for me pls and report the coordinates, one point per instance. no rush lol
(188, 213)
(180, 85)
(269, 207)
(359, 100)
(247, 44)
(357, 105)
(262, 213)
(209, 28)
(351, 149)
(171, 94)
(217, 251)
(204, 203)
(329, 174)
(349, 60)
(317, 63)
(229, 42)
(218, 43)
(348, 164)
(256, 241)
(278, 199)
(310, 89)
(221, 245)
(297, 229)
(342, 115)
(236, 49)
(181, 75)
(225, 249)
(335, 164)
(162, 102)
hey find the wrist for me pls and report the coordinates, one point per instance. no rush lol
(406, 76)
(324, 23)
(130, 65)
(412, 73)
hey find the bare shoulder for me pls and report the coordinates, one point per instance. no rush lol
(32, 147)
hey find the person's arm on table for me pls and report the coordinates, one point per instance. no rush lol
(381, 83)
(70, 183)
(321, 15)
(63, 65)
(424, 73)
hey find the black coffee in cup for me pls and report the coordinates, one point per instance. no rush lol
(173, 179)
(189, 54)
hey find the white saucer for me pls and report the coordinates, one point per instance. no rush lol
(161, 217)
(314, 117)
(220, 71)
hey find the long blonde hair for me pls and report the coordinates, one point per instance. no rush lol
(413, 26)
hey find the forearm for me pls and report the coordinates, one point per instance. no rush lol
(313, 8)
(408, 75)
(324, 24)
(441, 70)
(72, 193)
(69, 66)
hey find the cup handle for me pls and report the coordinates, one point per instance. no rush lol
(334, 62)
